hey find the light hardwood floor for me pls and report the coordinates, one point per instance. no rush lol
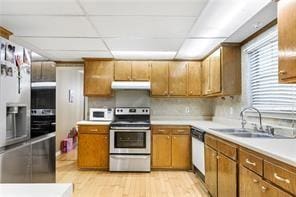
(90, 183)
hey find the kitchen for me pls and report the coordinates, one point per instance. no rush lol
(149, 98)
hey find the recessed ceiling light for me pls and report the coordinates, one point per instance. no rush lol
(144, 54)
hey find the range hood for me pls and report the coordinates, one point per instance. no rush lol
(131, 85)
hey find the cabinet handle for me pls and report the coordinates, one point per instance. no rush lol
(263, 189)
(255, 181)
(217, 157)
(168, 137)
(165, 92)
(161, 130)
(281, 178)
(180, 131)
(94, 130)
(106, 137)
(174, 137)
(282, 72)
(251, 163)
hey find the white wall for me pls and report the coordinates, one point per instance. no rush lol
(67, 114)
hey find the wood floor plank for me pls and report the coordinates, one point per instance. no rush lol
(92, 183)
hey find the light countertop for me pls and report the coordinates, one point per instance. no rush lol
(280, 149)
(36, 190)
(88, 122)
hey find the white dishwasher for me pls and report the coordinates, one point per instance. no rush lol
(198, 154)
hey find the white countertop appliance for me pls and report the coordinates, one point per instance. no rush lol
(101, 114)
(198, 153)
(130, 140)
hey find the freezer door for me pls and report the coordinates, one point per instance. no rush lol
(43, 160)
(15, 165)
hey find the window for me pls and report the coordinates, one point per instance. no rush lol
(266, 93)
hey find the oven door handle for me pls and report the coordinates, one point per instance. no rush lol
(130, 156)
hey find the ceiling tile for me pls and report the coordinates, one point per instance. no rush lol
(46, 26)
(221, 18)
(76, 55)
(40, 7)
(142, 26)
(144, 7)
(83, 44)
(121, 44)
(197, 48)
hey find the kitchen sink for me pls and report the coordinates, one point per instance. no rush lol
(248, 133)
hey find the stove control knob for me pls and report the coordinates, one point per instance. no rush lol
(143, 110)
(121, 110)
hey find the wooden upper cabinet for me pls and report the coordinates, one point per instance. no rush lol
(140, 71)
(215, 72)
(98, 76)
(194, 79)
(123, 71)
(206, 76)
(222, 72)
(178, 78)
(287, 41)
(159, 78)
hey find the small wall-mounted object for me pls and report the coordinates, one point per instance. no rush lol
(71, 96)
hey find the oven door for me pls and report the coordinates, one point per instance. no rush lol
(130, 141)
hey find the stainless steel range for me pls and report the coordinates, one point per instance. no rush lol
(130, 140)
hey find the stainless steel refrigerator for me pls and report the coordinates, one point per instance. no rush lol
(18, 152)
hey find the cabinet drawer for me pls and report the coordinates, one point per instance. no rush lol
(181, 130)
(93, 129)
(228, 149)
(280, 176)
(251, 161)
(160, 130)
(211, 141)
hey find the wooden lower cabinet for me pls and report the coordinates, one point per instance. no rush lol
(93, 148)
(227, 176)
(169, 149)
(211, 170)
(161, 151)
(252, 184)
(180, 150)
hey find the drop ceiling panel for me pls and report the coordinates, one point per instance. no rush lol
(197, 48)
(222, 18)
(76, 55)
(121, 44)
(46, 26)
(142, 26)
(83, 44)
(132, 7)
(40, 7)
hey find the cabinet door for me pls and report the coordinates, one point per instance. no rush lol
(48, 71)
(178, 78)
(211, 170)
(93, 151)
(249, 183)
(140, 71)
(194, 79)
(181, 152)
(159, 78)
(123, 71)
(161, 151)
(206, 76)
(215, 72)
(227, 176)
(287, 41)
(268, 190)
(98, 76)
(36, 71)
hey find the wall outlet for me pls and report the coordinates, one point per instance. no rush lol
(187, 110)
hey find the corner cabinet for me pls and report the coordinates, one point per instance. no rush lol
(98, 77)
(171, 147)
(221, 72)
(287, 41)
(93, 147)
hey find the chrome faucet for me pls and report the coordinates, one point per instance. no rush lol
(244, 122)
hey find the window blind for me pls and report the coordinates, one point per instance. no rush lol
(266, 93)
